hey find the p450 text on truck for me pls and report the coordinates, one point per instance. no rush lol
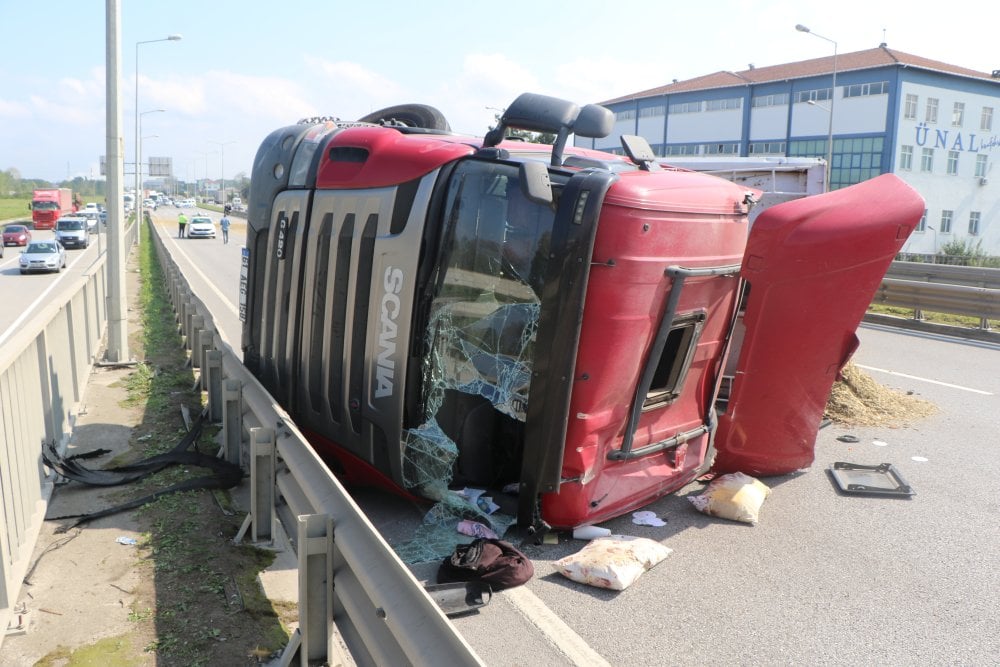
(596, 330)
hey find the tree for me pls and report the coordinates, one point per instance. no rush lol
(526, 135)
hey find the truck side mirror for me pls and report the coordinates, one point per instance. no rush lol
(535, 184)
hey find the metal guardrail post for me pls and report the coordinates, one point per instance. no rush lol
(200, 353)
(212, 372)
(262, 487)
(197, 324)
(232, 421)
(315, 552)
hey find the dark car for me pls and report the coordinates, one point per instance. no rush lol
(16, 234)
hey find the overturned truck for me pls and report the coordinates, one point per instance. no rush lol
(592, 330)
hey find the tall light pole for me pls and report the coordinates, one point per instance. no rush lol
(833, 95)
(117, 348)
(168, 38)
(222, 165)
(206, 154)
(138, 157)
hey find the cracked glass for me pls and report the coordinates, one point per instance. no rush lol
(478, 348)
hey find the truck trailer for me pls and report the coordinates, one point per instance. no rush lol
(50, 204)
(588, 331)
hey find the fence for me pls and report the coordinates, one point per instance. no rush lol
(44, 367)
(957, 290)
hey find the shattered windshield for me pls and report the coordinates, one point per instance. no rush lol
(486, 302)
(479, 342)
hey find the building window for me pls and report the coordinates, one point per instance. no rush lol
(932, 110)
(986, 119)
(627, 114)
(946, 217)
(910, 112)
(980, 166)
(958, 114)
(680, 149)
(685, 107)
(974, 223)
(651, 112)
(721, 149)
(927, 160)
(866, 89)
(767, 148)
(906, 158)
(776, 100)
(952, 162)
(922, 225)
(723, 105)
(854, 160)
(818, 95)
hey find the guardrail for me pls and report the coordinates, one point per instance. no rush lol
(352, 586)
(956, 290)
(44, 367)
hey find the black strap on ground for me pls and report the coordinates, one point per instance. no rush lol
(224, 475)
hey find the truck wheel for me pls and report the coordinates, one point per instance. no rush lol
(411, 115)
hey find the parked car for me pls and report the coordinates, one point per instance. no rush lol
(16, 234)
(72, 231)
(43, 256)
(201, 226)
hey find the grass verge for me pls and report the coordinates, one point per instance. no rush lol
(199, 602)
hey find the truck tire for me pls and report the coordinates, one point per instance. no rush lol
(411, 115)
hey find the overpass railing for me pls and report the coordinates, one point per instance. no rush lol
(44, 366)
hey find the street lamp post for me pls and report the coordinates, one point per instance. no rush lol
(168, 38)
(138, 158)
(833, 96)
(222, 166)
(206, 154)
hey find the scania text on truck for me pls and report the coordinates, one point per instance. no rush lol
(590, 329)
(50, 204)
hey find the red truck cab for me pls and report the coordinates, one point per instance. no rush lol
(438, 311)
(50, 204)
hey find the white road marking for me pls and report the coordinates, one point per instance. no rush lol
(920, 379)
(561, 635)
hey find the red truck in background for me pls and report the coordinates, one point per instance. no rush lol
(585, 330)
(50, 204)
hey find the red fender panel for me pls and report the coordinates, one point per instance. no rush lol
(813, 266)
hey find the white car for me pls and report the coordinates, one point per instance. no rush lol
(201, 226)
(46, 256)
(92, 215)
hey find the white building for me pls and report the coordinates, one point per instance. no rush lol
(930, 123)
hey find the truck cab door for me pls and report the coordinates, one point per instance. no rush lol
(812, 267)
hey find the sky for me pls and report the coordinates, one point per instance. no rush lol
(244, 69)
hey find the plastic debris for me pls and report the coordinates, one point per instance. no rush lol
(130, 541)
(476, 529)
(647, 518)
(590, 532)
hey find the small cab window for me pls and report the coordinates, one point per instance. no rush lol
(674, 362)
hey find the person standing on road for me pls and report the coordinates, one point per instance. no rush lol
(182, 222)
(224, 225)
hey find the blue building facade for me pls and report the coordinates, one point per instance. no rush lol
(930, 123)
